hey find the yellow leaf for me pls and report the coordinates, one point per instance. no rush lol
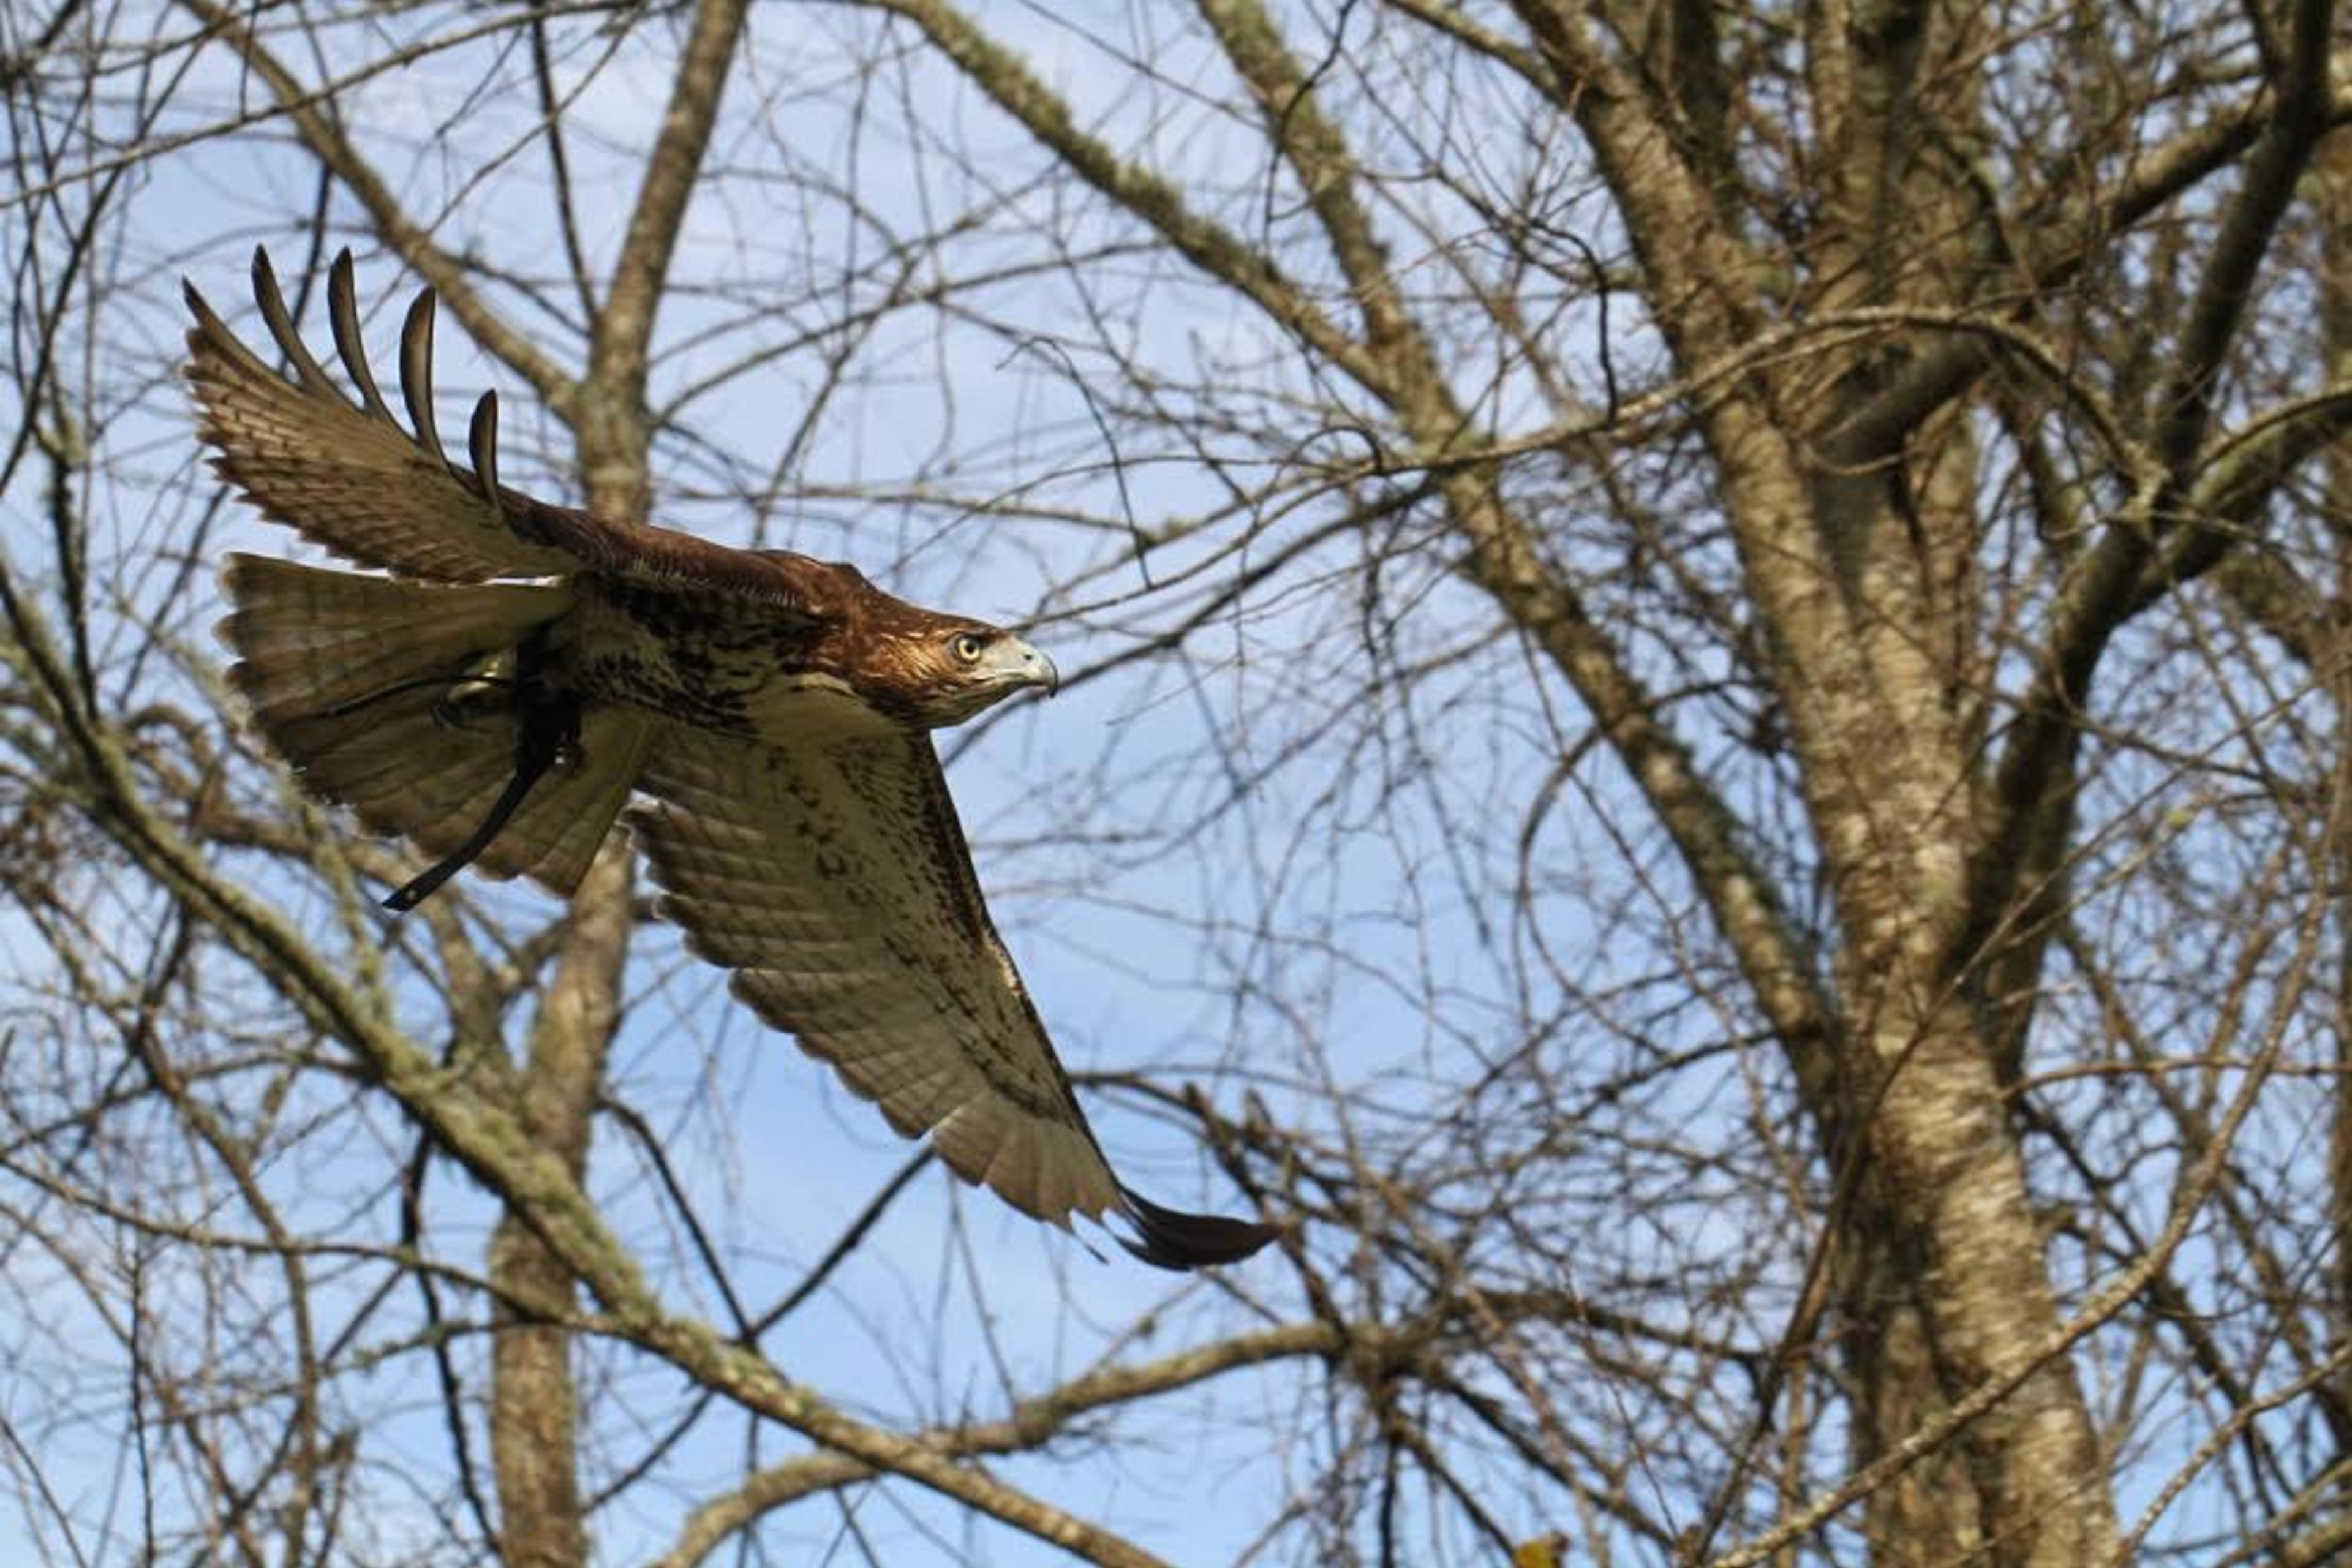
(1543, 1552)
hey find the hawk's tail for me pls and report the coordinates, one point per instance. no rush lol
(397, 700)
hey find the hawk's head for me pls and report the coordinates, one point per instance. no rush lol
(945, 671)
(915, 666)
(927, 669)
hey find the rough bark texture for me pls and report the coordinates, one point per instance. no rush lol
(534, 1400)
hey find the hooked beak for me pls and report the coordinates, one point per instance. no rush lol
(1012, 663)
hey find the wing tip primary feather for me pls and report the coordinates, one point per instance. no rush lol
(1173, 1240)
(198, 306)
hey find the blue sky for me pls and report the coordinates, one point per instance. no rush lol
(1271, 863)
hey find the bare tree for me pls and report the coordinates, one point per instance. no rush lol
(1706, 748)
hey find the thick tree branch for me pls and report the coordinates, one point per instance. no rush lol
(2196, 1186)
(2247, 227)
(622, 332)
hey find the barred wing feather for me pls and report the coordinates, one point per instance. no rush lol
(831, 875)
(345, 474)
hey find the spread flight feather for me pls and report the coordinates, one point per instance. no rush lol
(775, 709)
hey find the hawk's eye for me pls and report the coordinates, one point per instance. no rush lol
(967, 647)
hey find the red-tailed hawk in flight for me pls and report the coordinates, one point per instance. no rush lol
(524, 668)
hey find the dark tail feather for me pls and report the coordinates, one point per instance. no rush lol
(1173, 1239)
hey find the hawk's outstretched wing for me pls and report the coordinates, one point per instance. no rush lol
(345, 474)
(831, 875)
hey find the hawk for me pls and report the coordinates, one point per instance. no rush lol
(512, 673)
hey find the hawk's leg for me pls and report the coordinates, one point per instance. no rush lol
(548, 733)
